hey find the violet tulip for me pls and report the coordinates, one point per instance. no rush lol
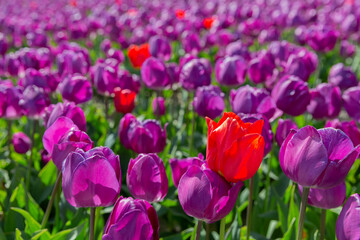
(180, 166)
(326, 198)
(348, 222)
(104, 76)
(191, 42)
(302, 64)
(321, 38)
(195, 73)
(283, 129)
(342, 76)
(347, 49)
(325, 101)
(92, 178)
(160, 47)
(34, 101)
(129, 81)
(209, 101)
(317, 158)
(142, 136)
(231, 71)
(158, 106)
(291, 95)
(348, 127)
(206, 195)
(76, 89)
(10, 107)
(261, 68)
(351, 101)
(21, 142)
(146, 178)
(132, 219)
(154, 74)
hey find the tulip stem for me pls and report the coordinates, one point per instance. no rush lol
(304, 199)
(106, 102)
(92, 223)
(50, 203)
(28, 170)
(198, 229)
(222, 229)
(9, 123)
(192, 133)
(249, 208)
(322, 224)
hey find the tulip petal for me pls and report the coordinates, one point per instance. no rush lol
(337, 143)
(348, 222)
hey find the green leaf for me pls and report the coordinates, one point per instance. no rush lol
(41, 234)
(17, 235)
(48, 173)
(31, 225)
(71, 233)
(289, 235)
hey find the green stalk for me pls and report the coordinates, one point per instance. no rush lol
(322, 224)
(50, 203)
(198, 230)
(222, 229)
(9, 123)
(249, 208)
(304, 199)
(92, 223)
(28, 170)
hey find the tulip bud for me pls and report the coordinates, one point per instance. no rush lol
(321, 38)
(104, 76)
(154, 74)
(195, 73)
(348, 222)
(204, 194)
(347, 49)
(191, 42)
(124, 100)
(160, 47)
(261, 68)
(348, 127)
(10, 98)
(146, 178)
(3, 44)
(302, 64)
(138, 54)
(132, 219)
(283, 130)
(92, 178)
(34, 101)
(21, 142)
(238, 49)
(76, 89)
(231, 71)
(180, 166)
(342, 76)
(158, 106)
(129, 81)
(209, 101)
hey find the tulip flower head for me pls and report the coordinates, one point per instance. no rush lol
(124, 100)
(21, 142)
(348, 222)
(180, 166)
(234, 149)
(138, 54)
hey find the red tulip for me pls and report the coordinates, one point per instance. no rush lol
(208, 22)
(180, 14)
(124, 100)
(138, 54)
(234, 149)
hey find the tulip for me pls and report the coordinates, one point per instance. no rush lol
(283, 130)
(71, 62)
(204, 194)
(232, 144)
(67, 109)
(291, 95)
(142, 136)
(104, 76)
(231, 71)
(10, 98)
(132, 219)
(342, 76)
(351, 102)
(269, 35)
(180, 166)
(12, 64)
(129, 81)
(105, 45)
(195, 73)
(347, 49)
(69, 142)
(138, 54)
(92, 178)
(160, 47)
(76, 89)
(280, 51)
(238, 49)
(42, 79)
(321, 38)
(124, 100)
(348, 222)
(34, 101)
(261, 68)
(21, 142)
(146, 178)
(158, 106)
(173, 72)
(302, 64)
(191, 42)
(317, 158)
(154, 74)
(209, 101)
(326, 198)
(115, 54)
(37, 39)
(3, 44)
(348, 127)
(325, 101)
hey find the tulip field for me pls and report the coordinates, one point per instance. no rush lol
(179, 119)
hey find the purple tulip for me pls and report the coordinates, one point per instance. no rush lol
(280, 51)
(195, 73)
(209, 101)
(21, 142)
(261, 68)
(104, 76)
(317, 158)
(142, 136)
(266, 130)
(37, 39)
(160, 47)
(10, 98)
(68, 143)
(146, 178)
(325, 101)
(206, 195)
(180, 166)
(238, 49)
(154, 73)
(342, 76)
(191, 42)
(42, 79)
(326, 198)
(132, 219)
(283, 130)
(347, 49)
(12, 64)
(115, 54)
(348, 222)
(351, 99)
(158, 106)
(231, 71)
(3, 44)
(105, 45)
(71, 62)
(68, 109)
(129, 81)
(300, 34)
(269, 35)
(34, 101)
(173, 72)
(301, 64)
(348, 127)
(92, 178)
(291, 95)
(321, 38)
(76, 89)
